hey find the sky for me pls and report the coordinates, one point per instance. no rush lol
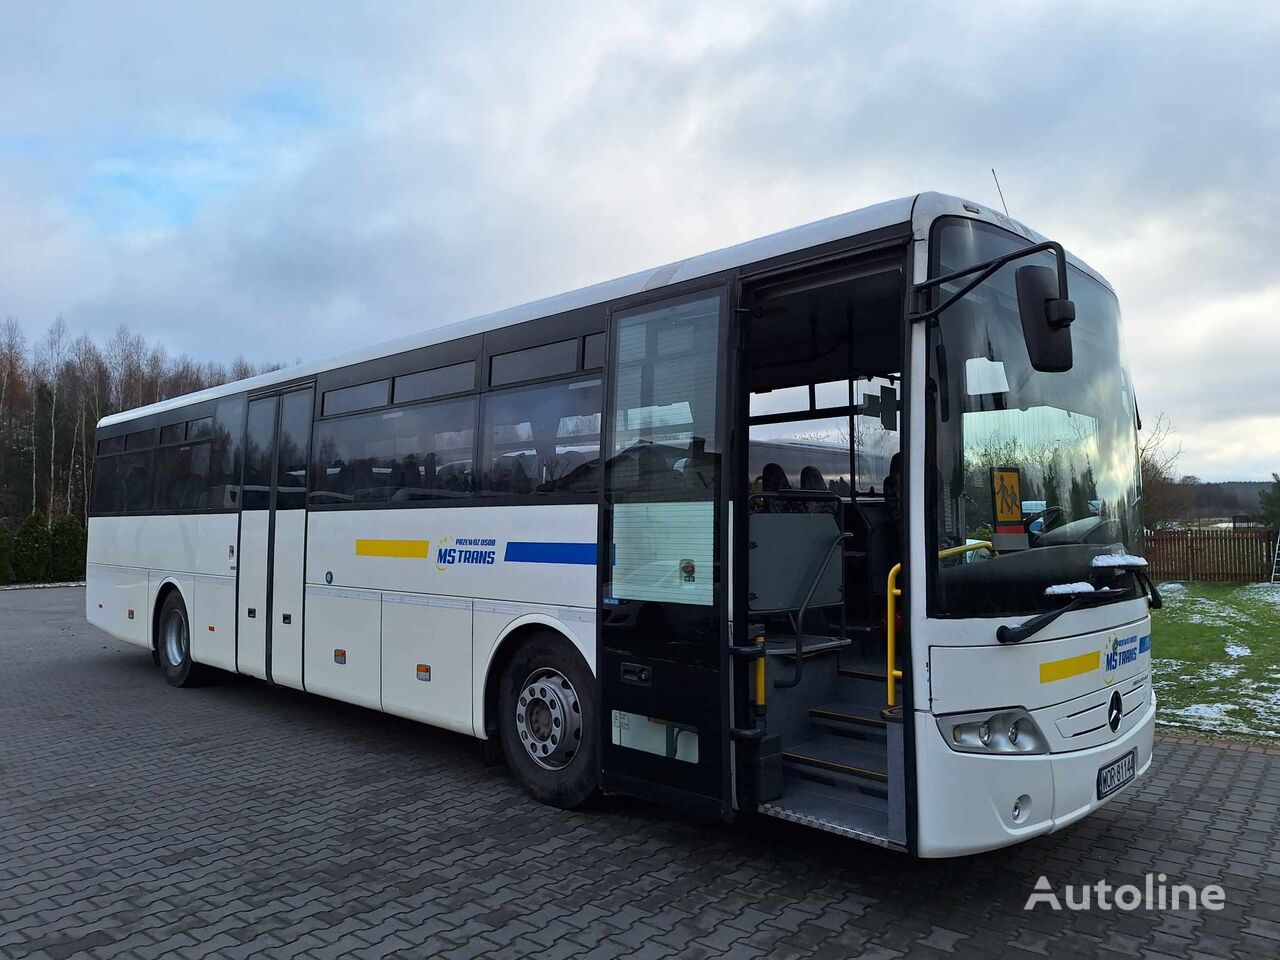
(293, 181)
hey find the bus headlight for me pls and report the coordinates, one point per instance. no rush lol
(1004, 731)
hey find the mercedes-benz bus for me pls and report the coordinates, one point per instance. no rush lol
(840, 526)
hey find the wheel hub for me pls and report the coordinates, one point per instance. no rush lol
(175, 637)
(549, 718)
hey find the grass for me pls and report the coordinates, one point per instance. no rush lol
(1216, 658)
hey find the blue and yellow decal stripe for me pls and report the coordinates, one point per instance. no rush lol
(1052, 670)
(523, 551)
(401, 549)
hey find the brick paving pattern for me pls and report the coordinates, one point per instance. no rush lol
(237, 820)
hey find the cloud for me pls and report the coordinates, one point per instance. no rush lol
(243, 178)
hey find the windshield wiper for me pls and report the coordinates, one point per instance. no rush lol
(1029, 628)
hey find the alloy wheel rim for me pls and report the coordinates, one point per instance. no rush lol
(548, 717)
(175, 637)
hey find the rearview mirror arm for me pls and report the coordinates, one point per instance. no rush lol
(984, 271)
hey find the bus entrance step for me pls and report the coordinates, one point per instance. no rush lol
(864, 671)
(816, 806)
(843, 757)
(849, 720)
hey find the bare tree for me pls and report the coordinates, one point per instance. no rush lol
(37, 375)
(1164, 497)
(54, 350)
(241, 369)
(125, 356)
(91, 380)
(157, 365)
(13, 348)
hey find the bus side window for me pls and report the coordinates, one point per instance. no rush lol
(543, 439)
(108, 492)
(223, 480)
(420, 452)
(137, 469)
(181, 476)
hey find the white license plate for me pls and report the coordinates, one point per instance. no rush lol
(1117, 774)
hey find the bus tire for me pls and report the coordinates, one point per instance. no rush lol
(173, 643)
(548, 721)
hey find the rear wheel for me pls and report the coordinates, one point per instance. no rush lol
(548, 723)
(173, 643)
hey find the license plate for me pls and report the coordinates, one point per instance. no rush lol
(1117, 774)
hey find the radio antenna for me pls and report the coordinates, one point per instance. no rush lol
(999, 191)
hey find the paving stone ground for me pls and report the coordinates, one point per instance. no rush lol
(238, 820)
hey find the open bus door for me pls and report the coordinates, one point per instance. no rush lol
(662, 655)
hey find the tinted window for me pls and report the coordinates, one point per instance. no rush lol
(543, 439)
(134, 474)
(140, 440)
(547, 360)
(173, 433)
(360, 397)
(459, 378)
(593, 351)
(182, 477)
(291, 450)
(225, 453)
(415, 453)
(122, 484)
(259, 434)
(111, 445)
(108, 494)
(200, 429)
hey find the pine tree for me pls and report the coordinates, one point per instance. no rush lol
(6, 555)
(1269, 503)
(67, 545)
(31, 550)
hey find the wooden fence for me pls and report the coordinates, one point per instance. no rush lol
(1222, 556)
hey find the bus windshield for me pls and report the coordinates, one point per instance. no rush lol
(1041, 466)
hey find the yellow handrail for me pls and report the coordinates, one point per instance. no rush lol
(965, 548)
(893, 674)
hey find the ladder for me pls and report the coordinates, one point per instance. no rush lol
(1275, 562)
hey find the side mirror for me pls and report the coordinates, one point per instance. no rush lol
(888, 408)
(1046, 318)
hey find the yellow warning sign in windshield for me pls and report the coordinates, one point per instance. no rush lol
(1006, 494)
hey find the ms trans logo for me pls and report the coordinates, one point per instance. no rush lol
(466, 552)
(1120, 653)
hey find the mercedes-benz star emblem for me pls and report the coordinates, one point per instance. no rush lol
(1114, 712)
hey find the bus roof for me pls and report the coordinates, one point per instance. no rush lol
(921, 209)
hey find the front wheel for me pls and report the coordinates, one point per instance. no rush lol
(173, 643)
(548, 721)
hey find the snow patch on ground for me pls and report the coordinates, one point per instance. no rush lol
(42, 586)
(1227, 701)
(1216, 712)
(1265, 593)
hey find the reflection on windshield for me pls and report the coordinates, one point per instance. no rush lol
(1053, 452)
(1041, 465)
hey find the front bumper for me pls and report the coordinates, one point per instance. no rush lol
(965, 802)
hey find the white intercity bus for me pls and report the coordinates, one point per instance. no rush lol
(841, 526)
